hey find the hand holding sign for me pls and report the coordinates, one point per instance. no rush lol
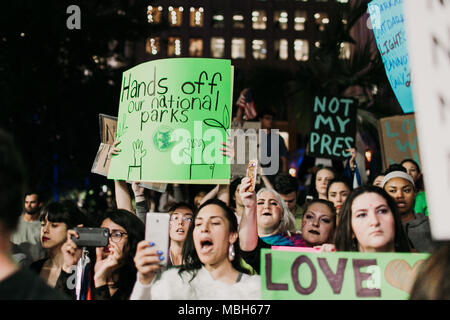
(351, 162)
(114, 150)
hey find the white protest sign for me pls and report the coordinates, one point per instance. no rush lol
(428, 33)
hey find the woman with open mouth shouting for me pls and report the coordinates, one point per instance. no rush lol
(267, 221)
(212, 268)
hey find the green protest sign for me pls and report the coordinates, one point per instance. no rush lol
(173, 116)
(289, 275)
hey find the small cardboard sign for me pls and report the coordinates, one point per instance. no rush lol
(108, 126)
(333, 128)
(398, 139)
(291, 275)
(102, 160)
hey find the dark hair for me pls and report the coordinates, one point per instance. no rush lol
(373, 177)
(31, 192)
(432, 281)
(395, 167)
(266, 111)
(190, 257)
(135, 229)
(314, 192)
(285, 183)
(177, 205)
(233, 186)
(65, 211)
(412, 161)
(419, 183)
(329, 204)
(339, 180)
(12, 182)
(344, 234)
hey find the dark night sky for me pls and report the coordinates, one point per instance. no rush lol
(53, 88)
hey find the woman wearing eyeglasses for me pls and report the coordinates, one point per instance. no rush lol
(114, 272)
(181, 216)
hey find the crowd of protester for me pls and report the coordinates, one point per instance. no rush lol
(215, 240)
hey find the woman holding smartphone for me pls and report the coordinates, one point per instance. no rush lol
(113, 272)
(212, 268)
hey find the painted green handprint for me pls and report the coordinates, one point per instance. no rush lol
(138, 152)
(135, 170)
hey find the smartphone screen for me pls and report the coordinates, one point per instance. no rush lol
(157, 231)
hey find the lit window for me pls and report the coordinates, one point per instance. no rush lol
(174, 46)
(281, 49)
(259, 19)
(321, 20)
(281, 20)
(154, 14)
(175, 16)
(217, 47)
(238, 21)
(196, 47)
(345, 50)
(342, 1)
(218, 21)
(196, 19)
(152, 46)
(238, 48)
(259, 48)
(300, 20)
(301, 49)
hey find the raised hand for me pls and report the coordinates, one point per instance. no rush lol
(137, 189)
(105, 265)
(146, 261)
(114, 150)
(228, 150)
(248, 198)
(71, 252)
(352, 152)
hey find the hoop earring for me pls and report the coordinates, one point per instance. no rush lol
(231, 253)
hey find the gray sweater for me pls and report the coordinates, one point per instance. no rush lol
(419, 233)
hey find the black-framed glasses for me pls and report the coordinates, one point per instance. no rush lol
(176, 218)
(116, 236)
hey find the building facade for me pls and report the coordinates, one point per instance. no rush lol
(249, 32)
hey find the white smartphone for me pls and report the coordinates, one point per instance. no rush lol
(157, 231)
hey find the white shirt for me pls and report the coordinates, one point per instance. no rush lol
(169, 285)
